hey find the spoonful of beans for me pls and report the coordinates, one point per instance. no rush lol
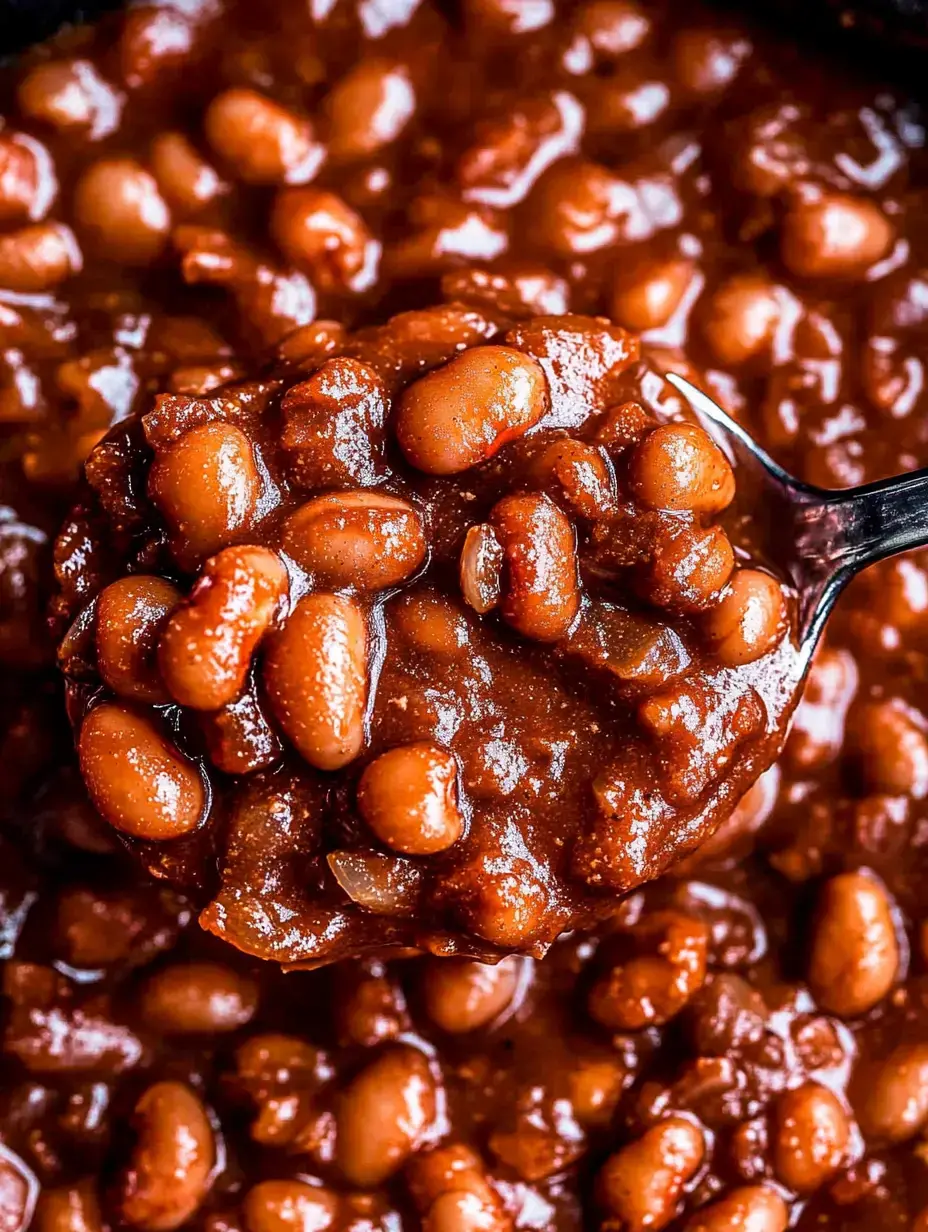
(822, 538)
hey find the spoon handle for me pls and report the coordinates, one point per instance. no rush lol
(839, 533)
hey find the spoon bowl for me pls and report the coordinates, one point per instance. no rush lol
(823, 538)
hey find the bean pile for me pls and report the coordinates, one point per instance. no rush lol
(497, 667)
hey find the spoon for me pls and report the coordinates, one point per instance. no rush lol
(823, 538)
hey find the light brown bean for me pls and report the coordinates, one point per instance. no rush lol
(72, 1208)
(131, 614)
(208, 641)
(409, 798)
(169, 1173)
(289, 1206)
(464, 412)
(641, 1185)
(541, 592)
(383, 1116)
(207, 486)
(854, 953)
(261, 141)
(754, 1208)
(893, 1102)
(198, 998)
(136, 778)
(749, 619)
(365, 540)
(810, 1138)
(679, 467)
(315, 671)
(39, 257)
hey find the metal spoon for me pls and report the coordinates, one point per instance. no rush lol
(822, 538)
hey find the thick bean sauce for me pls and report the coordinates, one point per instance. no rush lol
(395, 578)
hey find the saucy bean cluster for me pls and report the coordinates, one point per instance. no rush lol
(356, 316)
(306, 598)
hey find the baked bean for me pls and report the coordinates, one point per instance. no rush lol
(706, 61)
(450, 1189)
(596, 1086)
(679, 467)
(370, 1007)
(409, 798)
(27, 179)
(689, 568)
(207, 486)
(120, 211)
(197, 998)
(504, 902)
(578, 473)
(137, 779)
(835, 236)
(157, 39)
(579, 207)
(365, 540)
(321, 234)
(891, 742)
(18, 1192)
(810, 1139)
(368, 108)
(854, 954)
(893, 1095)
(169, 1173)
(481, 568)
(463, 413)
(461, 996)
(749, 620)
(755, 1208)
(94, 929)
(315, 671)
(131, 614)
(261, 141)
(39, 257)
(187, 181)
(383, 1116)
(431, 623)
(208, 641)
(641, 1185)
(70, 94)
(606, 30)
(517, 290)
(289, 1206)
(741, 318)
(73, 1208)
(647, 296)
(541, 593)
(651, 987)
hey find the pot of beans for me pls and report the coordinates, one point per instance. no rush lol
(420, 809)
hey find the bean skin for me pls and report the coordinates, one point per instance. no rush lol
(315, 671)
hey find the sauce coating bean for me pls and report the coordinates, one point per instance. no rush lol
(207, 643)
(169, 1173)
(641, 1185)
(365, 540)
(206, 485)
(383, 1116)
(289, 1206)
(679, 467)
(315, 672)
(136, 778)
(855, 954)
(262, 142)
(836, 236)
(120, 212)
(409, 798)
(463, 413)
(198, 998)
(811, 1137)
(755, 1208)
(131, 614)
(749, 620)
(541, 593)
